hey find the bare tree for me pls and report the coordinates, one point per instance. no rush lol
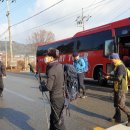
(39, 37)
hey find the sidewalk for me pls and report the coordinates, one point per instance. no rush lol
(115, 127)
(119, 127)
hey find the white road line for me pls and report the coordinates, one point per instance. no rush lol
(19, 95)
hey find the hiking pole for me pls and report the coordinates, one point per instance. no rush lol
(58, 117)
(48, 124)
(43, 98)
(44, 93)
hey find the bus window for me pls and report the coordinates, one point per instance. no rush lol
(94, 41)
(109, 47)
(123, 31)
(124, 49)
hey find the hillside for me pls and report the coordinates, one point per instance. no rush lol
(18, 48)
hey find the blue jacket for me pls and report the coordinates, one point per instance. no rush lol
(79, 65)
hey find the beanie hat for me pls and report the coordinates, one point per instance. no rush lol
(53, 52)
(75, 54)
(114, 56)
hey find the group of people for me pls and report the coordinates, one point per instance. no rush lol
(55, 81)
(55, 86)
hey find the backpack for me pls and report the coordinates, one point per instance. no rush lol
(86, 63)
(127, 76)
(128, 73)
(71, 84)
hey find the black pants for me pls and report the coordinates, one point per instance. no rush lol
(81, 83)
(1, 84)
(56, 116)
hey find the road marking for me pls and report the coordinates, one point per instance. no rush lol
(19, 95)
(98, 128)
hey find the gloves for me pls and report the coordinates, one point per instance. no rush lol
(42, 86)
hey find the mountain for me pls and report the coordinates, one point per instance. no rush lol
(18, 48)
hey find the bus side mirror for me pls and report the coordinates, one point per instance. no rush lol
(109, 47)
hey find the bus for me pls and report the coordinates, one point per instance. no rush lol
(97, 44)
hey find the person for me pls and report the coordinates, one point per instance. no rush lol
(31, 68)
(120, 88)
(32, 71)
(55, 86)
(79, 64)
(2, 74)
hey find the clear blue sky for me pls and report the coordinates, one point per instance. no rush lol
(61, 18)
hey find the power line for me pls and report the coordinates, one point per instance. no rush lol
(31, 16)
(64, 17)
(37, 13)
(4, 32)
(121, 13)
(55, 19)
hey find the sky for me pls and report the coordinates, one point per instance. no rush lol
(59, 18)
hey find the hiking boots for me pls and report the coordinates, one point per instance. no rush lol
(83, 97)
(128, 124)
(113, 120)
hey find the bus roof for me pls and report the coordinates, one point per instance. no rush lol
(40, 44)
(116, 24)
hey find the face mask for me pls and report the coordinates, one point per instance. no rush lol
(46, 60)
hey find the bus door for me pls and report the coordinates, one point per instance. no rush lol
(124, 49)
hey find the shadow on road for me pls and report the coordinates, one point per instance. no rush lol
(17, 118)
(85, 112)
(105, 98)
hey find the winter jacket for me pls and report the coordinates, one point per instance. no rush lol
(79, 65)
(55, 79)
(119, 78)
(2, 69)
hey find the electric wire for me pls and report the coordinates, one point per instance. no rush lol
(37, 13)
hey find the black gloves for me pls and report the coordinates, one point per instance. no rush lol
(42, 86)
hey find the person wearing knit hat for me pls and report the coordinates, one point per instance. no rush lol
(79, 65)
(114, 56)
(120, 88)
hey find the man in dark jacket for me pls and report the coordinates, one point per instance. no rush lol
(120, 88)
(55, 86)
(2, 73)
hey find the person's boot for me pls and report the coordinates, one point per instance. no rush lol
(128, 124)
(117, 117)
(84, 94)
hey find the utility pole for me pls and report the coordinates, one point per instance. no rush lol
(6, 53)
(81, 20)
(9, 30)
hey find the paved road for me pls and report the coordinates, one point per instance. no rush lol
(22, 106)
